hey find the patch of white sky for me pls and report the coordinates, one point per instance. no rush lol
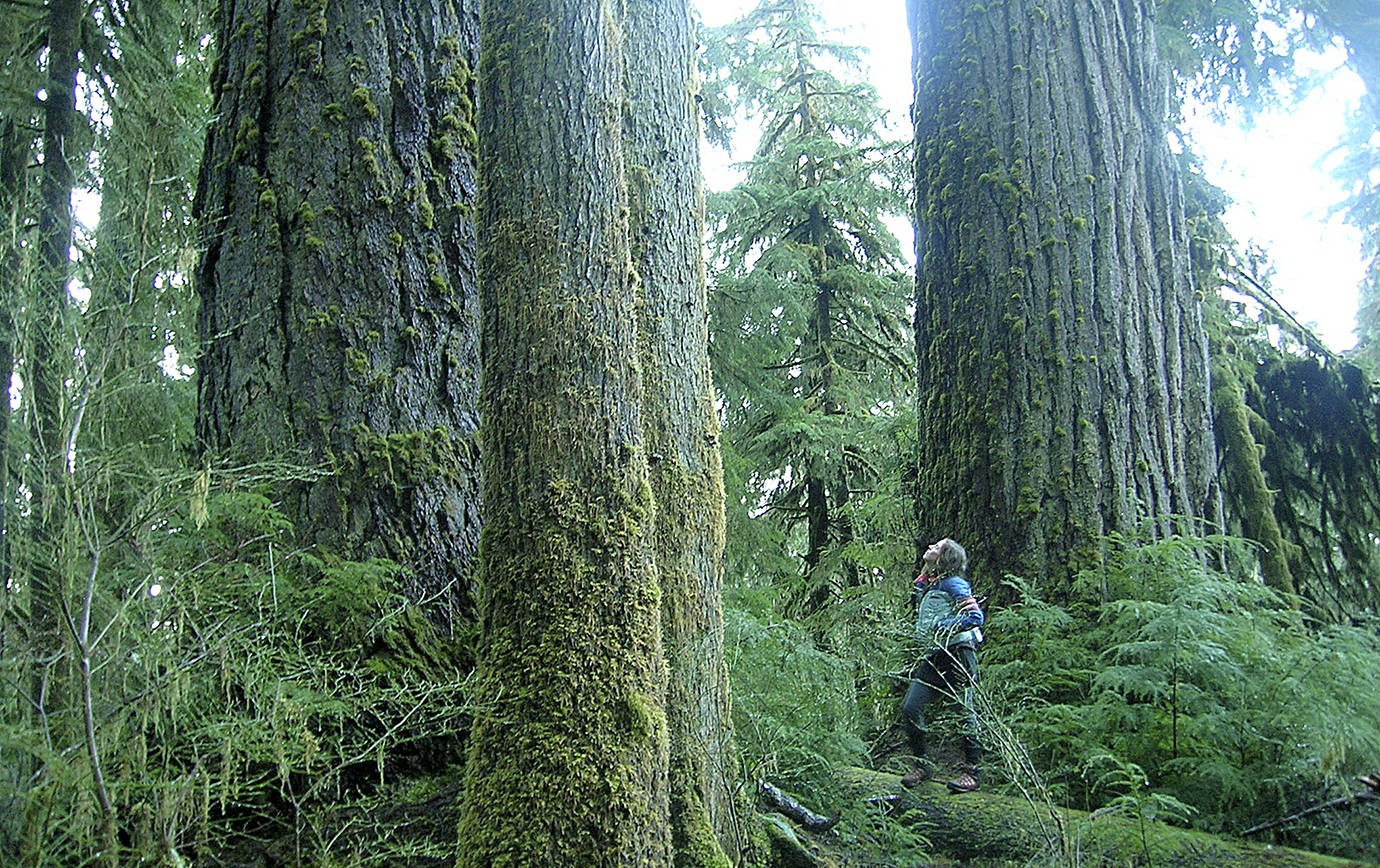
(1276, 169)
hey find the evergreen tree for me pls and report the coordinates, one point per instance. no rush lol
(85, 506)
(140, 330)
(338, 311)
(1062, 358)
(808, 309)
(49, 365)
(21, 42)
(568, 754)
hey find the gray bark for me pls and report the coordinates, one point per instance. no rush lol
(1062, 360)
(663, 172)
(339, 313)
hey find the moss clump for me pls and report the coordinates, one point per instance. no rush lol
(405, 458)
(363, 101)
(356, 362)
(369, 153)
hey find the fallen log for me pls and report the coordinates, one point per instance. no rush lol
(993, 826)
(790, 808)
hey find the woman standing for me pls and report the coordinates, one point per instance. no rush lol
(947, 621)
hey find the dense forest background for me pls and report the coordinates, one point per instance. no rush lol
(273, 595)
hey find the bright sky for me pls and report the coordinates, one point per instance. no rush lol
(1276, 171)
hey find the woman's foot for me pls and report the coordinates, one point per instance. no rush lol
(918, 774)
(966, 782)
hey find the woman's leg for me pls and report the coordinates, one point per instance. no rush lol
(924, 689)
(965, 670)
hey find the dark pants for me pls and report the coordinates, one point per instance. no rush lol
(949, 674)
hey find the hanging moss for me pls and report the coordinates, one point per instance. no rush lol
(1241, 457)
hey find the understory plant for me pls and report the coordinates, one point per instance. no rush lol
(245, 698)
(1219, 694)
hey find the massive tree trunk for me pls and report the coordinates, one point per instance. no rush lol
(338, 300)
(1062, 360)
(568, 753)
(663, 170)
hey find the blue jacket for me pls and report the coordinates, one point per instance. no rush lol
(947, 613)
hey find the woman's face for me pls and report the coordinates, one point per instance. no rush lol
(932, 553)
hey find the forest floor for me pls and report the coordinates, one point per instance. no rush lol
(988, 829)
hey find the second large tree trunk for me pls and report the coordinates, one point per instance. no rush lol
(663, 169)
(568, 754)
(1062, 359)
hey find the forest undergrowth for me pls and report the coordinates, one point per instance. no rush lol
(248, 701)
(1161, 688)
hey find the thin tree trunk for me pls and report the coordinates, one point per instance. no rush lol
(568, 753)
(48, 363)
(14, 160)
(49, 357)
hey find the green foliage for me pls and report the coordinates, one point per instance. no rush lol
(1233, 51)
(247, 697)
(1311, 416)
(794, 709)
(1167, 688)
(1354, 25)
(810, 336)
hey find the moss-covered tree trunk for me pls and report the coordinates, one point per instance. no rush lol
(1062, 361)
(1244, 478)
(663, 172)
(567, 758)
(338, 310)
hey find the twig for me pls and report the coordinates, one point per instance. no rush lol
(789, 807)
(1340, 802)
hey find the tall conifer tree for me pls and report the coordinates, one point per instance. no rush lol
(682, 430)
(810, 295)
(1061, 352)
(568, 753)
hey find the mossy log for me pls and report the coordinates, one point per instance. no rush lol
(989, 827)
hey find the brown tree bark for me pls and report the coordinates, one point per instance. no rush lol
(1062, 361)
(568, 754)
(339, 312)
(681, 427)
